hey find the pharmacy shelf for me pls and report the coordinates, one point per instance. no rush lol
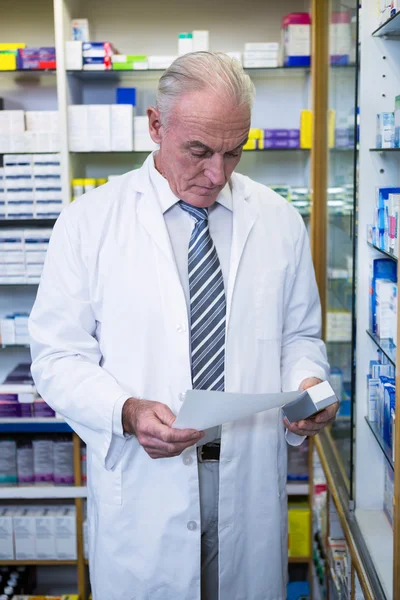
(384, 149)
(387, 347)
(391, 28)
(37, 563)
(28, 71)
(106, 152)
(111, 74)
(36, 492)
(382, 444)
(297, 489)
(378, 536)
(6, 346)
(383, 251)
(4, 223)
(34, 425)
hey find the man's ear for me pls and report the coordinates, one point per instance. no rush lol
(154, 124)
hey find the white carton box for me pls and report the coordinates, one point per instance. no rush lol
(73, 56)
(99, 127)
(12, 121)
(45, 529)
(121, 127)
(65, 528)
(201, 41)
(42, 120)
(78, 128)
(6, 534)
(25, 535)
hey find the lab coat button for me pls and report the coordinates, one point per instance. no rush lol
(187, 460)
(181, 396)
(181, 328)
(192, 525)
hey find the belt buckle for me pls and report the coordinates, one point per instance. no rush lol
(200, 456)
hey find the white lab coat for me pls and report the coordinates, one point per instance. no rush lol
(110, 321)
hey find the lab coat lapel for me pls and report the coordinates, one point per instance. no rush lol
(244, 217)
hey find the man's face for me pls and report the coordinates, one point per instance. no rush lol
(202, 145)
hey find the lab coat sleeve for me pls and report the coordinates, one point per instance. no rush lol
(303, 351)
(65, 353)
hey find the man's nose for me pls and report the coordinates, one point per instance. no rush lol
(215, 170)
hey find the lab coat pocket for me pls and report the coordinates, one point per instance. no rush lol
(106, 484)
(269, 298)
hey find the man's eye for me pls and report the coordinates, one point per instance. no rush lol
(236, 154)
(201, 155)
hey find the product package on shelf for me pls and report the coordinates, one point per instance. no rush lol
(296, 40)
(41, 133)
(19, 397)
(261, 55)
(32, 244)
(380, 269)
(38, 533)
(340, 38)
(299, 529)
(36, 58)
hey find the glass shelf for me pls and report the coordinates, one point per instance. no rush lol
(390, 28)
(384, 149)
(383, 252)
(29, 71)
(387, 347)
(384, 447)
(34, 425)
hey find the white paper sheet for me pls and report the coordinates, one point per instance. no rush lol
(203, 409)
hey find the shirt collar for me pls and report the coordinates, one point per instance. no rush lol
(167, 198)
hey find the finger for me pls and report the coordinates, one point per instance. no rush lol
(153, 427)
(164, 448)
(167, 417)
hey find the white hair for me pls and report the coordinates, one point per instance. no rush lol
(197, 71)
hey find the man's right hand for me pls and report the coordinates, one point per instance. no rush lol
(152, 422)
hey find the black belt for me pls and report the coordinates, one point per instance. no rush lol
(209, 452)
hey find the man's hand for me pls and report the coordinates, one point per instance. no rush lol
(152, 422)
(313, 425)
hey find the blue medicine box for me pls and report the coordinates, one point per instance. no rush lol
(126, 96)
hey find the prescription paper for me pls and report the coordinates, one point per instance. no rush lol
(203, 409)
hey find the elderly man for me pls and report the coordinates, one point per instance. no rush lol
(182, 274)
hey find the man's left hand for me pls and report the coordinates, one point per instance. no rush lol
(313, 425)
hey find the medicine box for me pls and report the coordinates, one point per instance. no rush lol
(296, 40)
(310, 402)
(385, 130)
(299, 529)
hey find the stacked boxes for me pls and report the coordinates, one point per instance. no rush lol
(193, 41)
(338, 326)
(22, 255)
(377, 369)
(36, 462)
(96, 56)
(385, 130)
(129, 62)
(299, 529)
(18, 395)
(281, 138)
(9, 55)
(340, 38)
(296, 40)
(105, 127)
(38, 533)
(40, 135)
(14, 330)
(383, 233)
(261, 55)
(30, 186)
(380, 269)
(36, 58)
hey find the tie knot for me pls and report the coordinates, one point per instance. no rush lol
(199, 214)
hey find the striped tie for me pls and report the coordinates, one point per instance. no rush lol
(207, 305)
